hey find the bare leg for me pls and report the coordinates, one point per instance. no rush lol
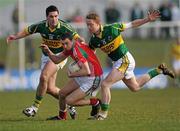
(106, 84)
(77, 97)
(136, 84)
(49, 71)
(81, 102)
(52, 89)
(65, 91)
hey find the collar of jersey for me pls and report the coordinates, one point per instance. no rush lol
(101, 30)
(57, 27)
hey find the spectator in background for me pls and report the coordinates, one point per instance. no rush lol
(15, 18)
(112, 13)
(136, 13)
(176, 60)
(175, 2)
(78, 19)
(166, 15)
(175, 18)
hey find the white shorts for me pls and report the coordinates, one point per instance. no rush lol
(89, 85)
(176, 64)
(126, 65)
(45, 59)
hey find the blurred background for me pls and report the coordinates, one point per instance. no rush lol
(150, 44)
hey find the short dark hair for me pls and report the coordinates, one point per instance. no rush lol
(93, 16)
(65, 36)
(51, 8)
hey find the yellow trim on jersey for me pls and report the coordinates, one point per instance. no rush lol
(26, 30)
(59, 25)
(35, 29)
(124, 27)
(113, 45)
(52, 43)
(100, 36)
(101, 30)
(124, 65)
(52, 30)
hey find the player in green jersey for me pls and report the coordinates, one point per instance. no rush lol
(51, 31)
(108, 38)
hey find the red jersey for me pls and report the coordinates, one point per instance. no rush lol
(82, 53)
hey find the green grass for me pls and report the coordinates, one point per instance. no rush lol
(147, 110)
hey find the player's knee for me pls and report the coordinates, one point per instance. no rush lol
(135, 88)
(50, 91)
(105, 84)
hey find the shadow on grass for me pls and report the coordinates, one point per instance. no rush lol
(21, 120)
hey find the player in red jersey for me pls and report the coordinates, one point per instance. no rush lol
(84, 82)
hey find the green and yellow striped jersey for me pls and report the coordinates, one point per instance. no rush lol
(52, 37)
(110, 41)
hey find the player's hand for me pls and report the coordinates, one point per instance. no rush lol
(153, 15)
(10, 38)
(44, 47)
(69, 74)
(80, 39)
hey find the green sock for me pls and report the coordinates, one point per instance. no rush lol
(154, 72)
(104, 107)
(37, 101)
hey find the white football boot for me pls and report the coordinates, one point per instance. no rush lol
(30, 111)
(72, 112)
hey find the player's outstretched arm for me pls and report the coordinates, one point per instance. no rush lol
(55, 58)
(19, 35)
(152, 16)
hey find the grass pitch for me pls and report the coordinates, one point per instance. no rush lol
(147, 110)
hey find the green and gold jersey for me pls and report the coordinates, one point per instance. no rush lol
(110, 41)
(52, 37)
